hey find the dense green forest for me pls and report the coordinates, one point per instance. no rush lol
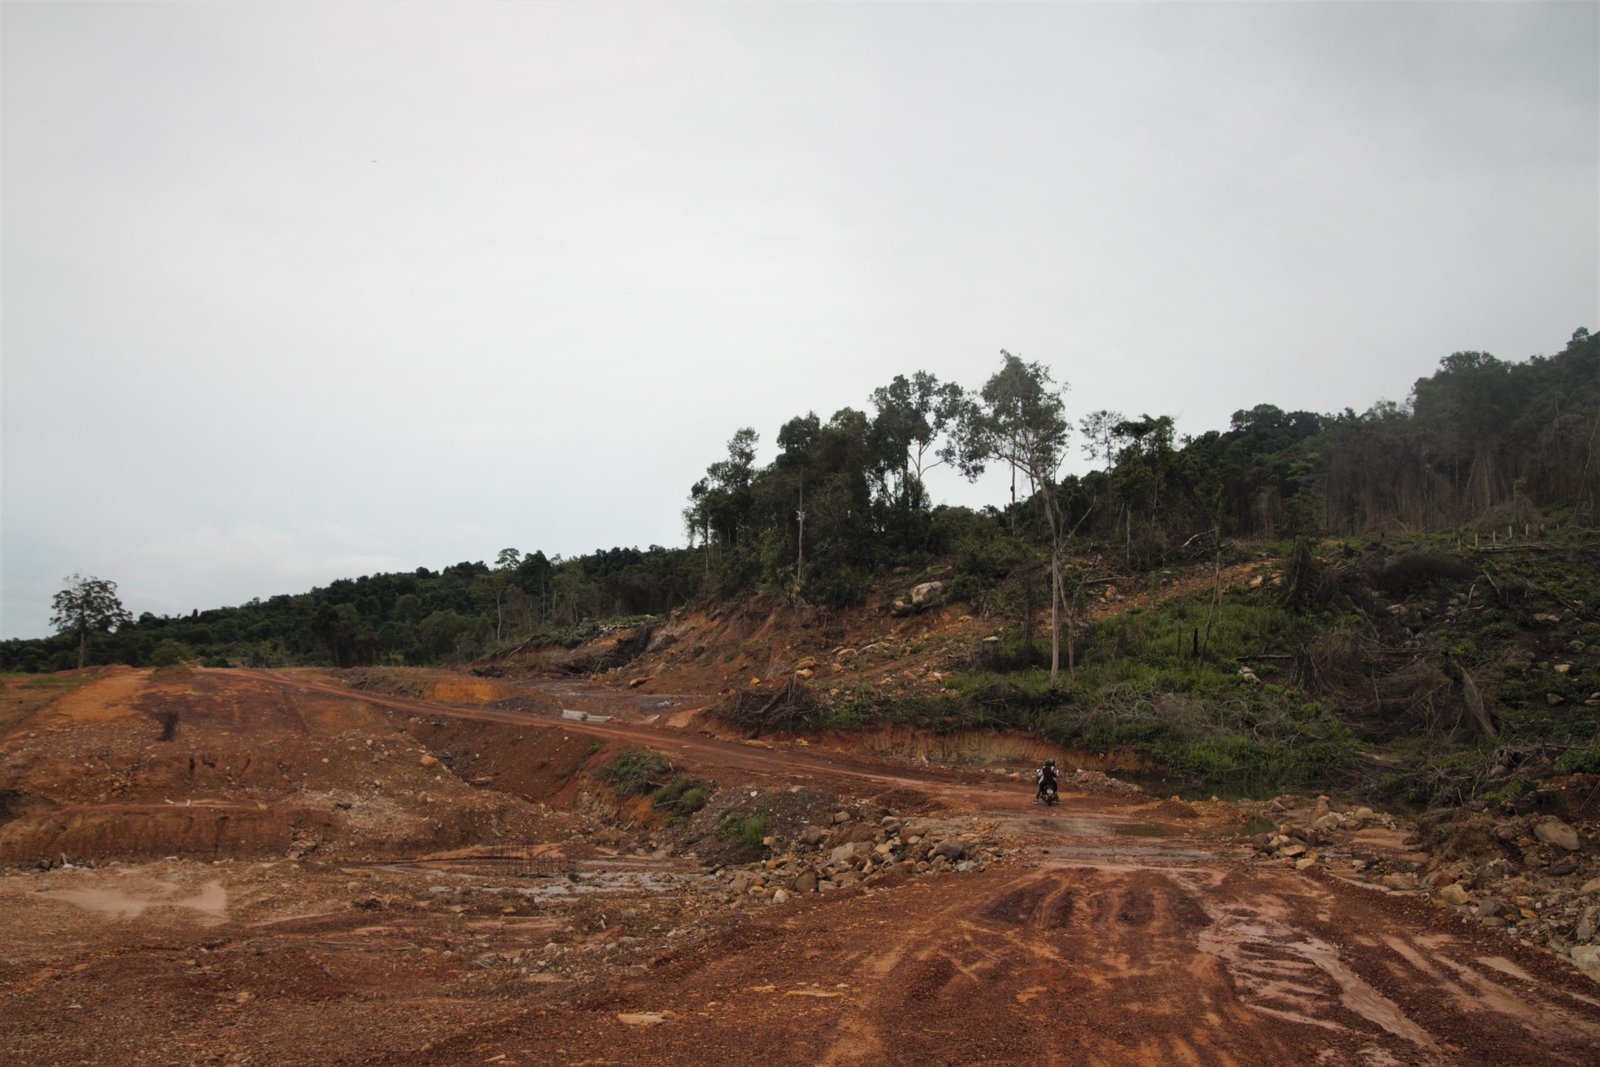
(1480, 441)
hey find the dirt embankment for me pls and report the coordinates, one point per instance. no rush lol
(885, 645)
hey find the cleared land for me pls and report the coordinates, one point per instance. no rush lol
(273, 868)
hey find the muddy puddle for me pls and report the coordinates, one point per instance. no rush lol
(569, 879)
(132, 902)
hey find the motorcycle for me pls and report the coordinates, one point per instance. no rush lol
(1047, 794)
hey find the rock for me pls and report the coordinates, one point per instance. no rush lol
(923, 595)
(1455, 895)
(1562, 668)
(1491, 872)
(1546, 619)
(1292, 850)
(781, 896)
(1400, 880)
(806, 881)
(1591, 886)
(637, 682)
(1553, 831)
(951, 850)
(1584, 931)
(428, 760)
(1305, 863)
(1587, 959)
(812, 836)
(846, 853)
(1553, 699)
(1564, 865)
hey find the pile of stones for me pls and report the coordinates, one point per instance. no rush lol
(1534, 876)
(855, 848)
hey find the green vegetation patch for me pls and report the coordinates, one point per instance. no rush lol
(684, 794)
(636, 772)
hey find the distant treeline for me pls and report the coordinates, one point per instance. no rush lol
(411, 617)
(843, 502)
(1481, 440)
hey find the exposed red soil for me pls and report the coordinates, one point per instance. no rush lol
(457, 900)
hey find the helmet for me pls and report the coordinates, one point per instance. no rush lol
(1049, 763)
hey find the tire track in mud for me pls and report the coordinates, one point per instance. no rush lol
(1073, 964)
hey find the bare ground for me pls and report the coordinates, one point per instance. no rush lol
(276, 869)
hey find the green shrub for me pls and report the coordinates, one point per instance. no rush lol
(744, 830)
(170, 653)
(685, 794)
(636, 771)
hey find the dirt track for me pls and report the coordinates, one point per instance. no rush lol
(1110, 936)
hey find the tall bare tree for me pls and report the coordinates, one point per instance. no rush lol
(1020, 418)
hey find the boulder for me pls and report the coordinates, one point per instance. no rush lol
(806, 881)
(1553, 831)
(1453, 894)
(923, 595)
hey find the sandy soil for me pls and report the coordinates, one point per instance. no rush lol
(293, 873)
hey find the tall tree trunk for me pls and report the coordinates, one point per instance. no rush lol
(1054, 519)
(1055, 622)
(83, 645)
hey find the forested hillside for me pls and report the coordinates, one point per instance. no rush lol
(1481, 442)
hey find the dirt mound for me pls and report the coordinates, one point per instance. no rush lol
(216, 764)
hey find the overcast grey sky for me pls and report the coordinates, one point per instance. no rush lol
(293, 293)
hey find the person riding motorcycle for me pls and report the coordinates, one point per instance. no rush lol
(1045, 777)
